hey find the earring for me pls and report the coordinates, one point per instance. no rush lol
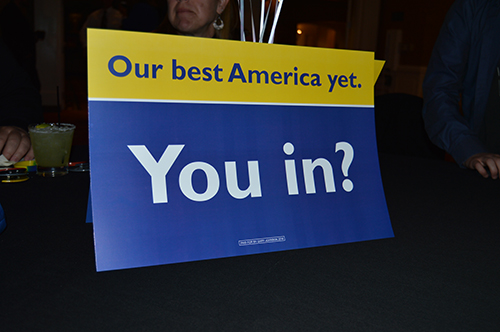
(218, 23)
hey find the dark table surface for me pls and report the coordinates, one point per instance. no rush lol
(441, 272)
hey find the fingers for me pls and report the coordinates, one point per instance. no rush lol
(484, 162)
(478, 166)
(493, 164)
(15, 143)
(30, 155)
(4, 134)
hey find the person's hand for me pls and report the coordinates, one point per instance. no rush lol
(484, 161)
(15, 143)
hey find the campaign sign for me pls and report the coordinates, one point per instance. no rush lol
(204, 148)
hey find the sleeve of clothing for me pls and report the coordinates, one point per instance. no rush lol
(20, 102)
(444, 82)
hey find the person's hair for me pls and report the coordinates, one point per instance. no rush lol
(231, 19)
(229, 16)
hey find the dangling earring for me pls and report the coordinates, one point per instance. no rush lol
(218, 23)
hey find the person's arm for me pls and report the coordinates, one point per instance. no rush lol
(444, 82)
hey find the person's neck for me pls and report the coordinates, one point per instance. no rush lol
(208, 33)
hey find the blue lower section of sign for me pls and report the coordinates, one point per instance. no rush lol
(88, 218)
(237, 180)
(3, 224)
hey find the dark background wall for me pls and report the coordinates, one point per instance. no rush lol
(420, 22)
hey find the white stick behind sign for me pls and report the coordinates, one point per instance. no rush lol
(242, 19)
(279, 4)
(264, 16)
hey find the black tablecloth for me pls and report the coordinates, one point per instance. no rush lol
(439, 273)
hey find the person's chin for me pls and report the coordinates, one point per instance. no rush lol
(185, 17)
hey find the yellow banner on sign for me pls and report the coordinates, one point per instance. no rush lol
(146, 66)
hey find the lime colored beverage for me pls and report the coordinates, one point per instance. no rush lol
(52, 146)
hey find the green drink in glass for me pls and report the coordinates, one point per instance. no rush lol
(52, 145)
